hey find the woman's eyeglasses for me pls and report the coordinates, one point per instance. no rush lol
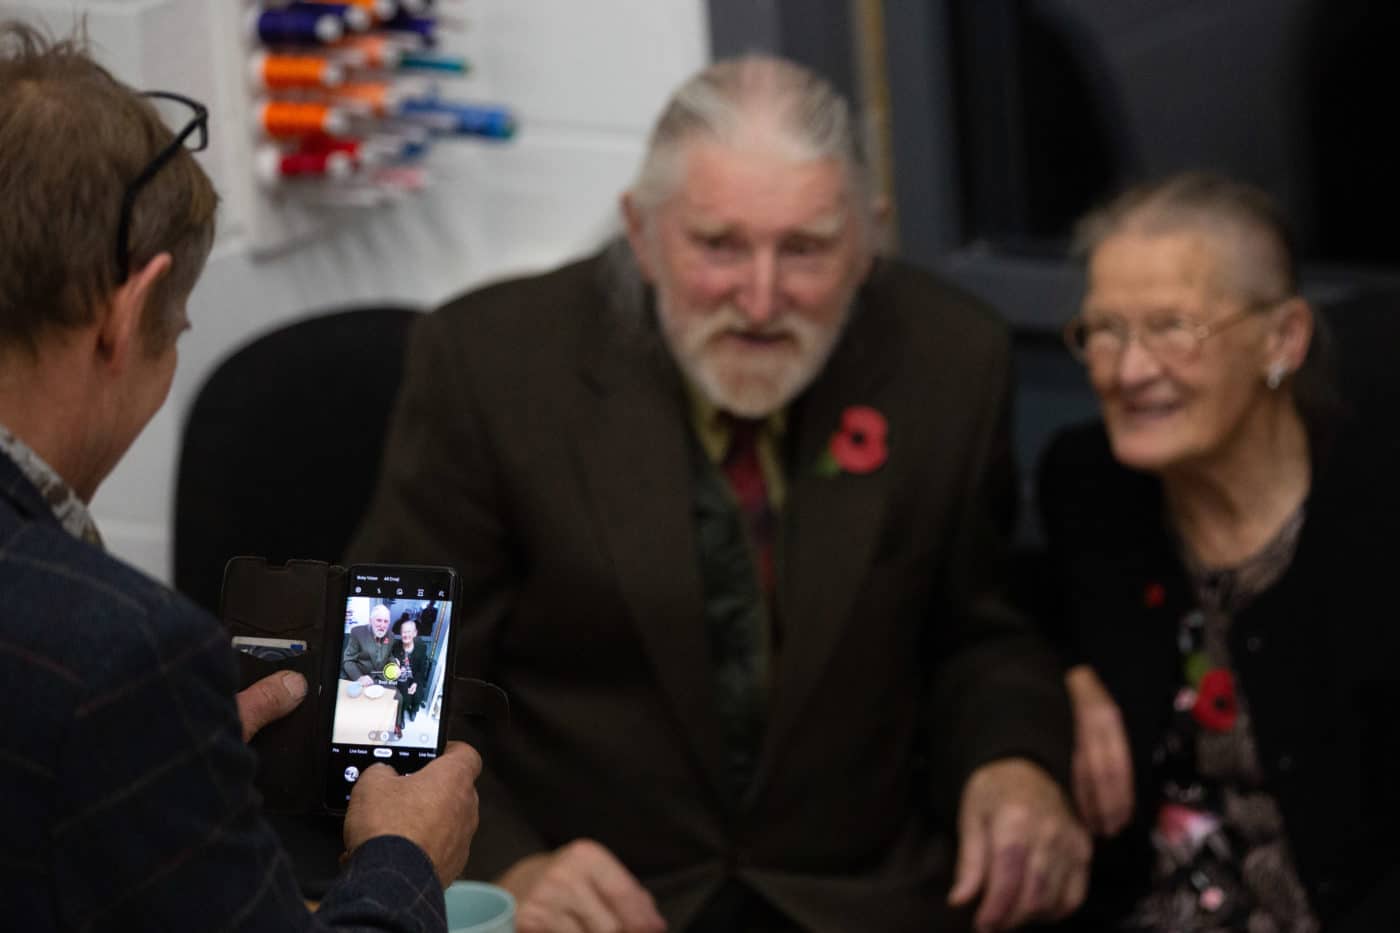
(1101, 338)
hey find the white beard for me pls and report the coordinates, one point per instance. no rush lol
(748, 381)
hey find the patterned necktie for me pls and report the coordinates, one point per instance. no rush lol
(744, 471)
(739, 628)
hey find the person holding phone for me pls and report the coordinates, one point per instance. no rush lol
(126, 790)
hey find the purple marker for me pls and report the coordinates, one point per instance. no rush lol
(357, 18)
(297, 26)
(422, 26)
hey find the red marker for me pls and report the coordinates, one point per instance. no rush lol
(273, 166)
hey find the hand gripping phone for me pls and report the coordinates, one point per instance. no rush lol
(395, 696)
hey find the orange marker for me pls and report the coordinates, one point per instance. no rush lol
(280, 118)
(372, 51)
(377, 98)
(284, 71)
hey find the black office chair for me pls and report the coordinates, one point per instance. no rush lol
(281, 447)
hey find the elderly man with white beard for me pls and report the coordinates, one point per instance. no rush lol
(730, 501)
(367, 647)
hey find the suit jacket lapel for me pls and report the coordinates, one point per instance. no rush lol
(830, 524)
(633, 435)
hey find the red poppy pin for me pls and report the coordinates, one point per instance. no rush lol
(859, 446)
(1216, 707)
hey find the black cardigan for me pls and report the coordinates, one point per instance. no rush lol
(1317, 656)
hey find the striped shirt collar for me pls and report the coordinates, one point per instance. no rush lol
(72, 513)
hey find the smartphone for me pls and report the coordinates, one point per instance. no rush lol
(391, 673)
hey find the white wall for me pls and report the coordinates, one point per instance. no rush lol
(586, 79)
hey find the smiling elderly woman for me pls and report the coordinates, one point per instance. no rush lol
(1220, 548)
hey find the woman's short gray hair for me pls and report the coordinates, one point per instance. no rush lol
(1255, 242)
(730, 98)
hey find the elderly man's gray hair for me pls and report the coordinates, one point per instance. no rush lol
(731, 100)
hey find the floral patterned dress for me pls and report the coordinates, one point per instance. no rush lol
(1222, 860)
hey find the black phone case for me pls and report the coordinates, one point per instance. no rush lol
(305, 600)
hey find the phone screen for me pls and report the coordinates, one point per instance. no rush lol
(391, 673)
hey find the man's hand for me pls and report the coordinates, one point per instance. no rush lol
(271, 698)
(1103, 766)
(412, 689)
(579, 888)
(365, 680)
(436, 808)
(1020, 846)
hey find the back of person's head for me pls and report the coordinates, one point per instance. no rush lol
(72, 141)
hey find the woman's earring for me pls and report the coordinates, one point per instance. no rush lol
(1274, 378)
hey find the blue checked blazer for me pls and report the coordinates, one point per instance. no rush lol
(126, 792)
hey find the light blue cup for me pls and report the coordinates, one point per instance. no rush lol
(477, 907)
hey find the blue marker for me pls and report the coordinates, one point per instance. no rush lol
(463, 119)
(414, 148)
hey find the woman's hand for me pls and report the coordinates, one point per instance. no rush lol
(1103, 766)
(412, 689)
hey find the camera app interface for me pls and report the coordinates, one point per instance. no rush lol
(392, 667)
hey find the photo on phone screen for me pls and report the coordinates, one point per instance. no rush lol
(391, 673)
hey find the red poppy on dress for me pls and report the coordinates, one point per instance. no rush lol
(859, 446)
(1154, 596)
(1216, 707)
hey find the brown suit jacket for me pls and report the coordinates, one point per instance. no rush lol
(540, 446)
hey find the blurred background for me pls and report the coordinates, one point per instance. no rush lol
(992, 124)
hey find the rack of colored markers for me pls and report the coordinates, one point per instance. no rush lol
(349, 96)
